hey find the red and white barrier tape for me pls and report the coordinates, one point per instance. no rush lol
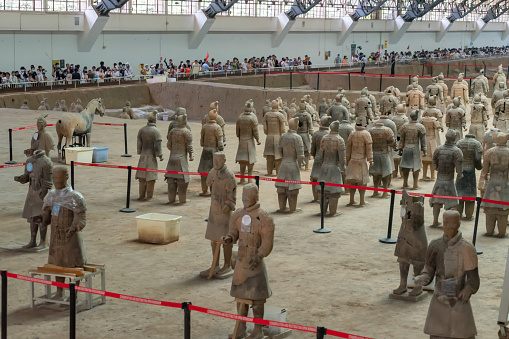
(12, 165)
(49, 125)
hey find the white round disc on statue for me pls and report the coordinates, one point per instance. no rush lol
(36, 135)
(246, 224)
(30, 167)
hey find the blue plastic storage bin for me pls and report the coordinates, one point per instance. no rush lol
(100, 154)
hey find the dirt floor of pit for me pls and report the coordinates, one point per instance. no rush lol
(339, 280)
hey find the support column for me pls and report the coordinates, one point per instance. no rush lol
(445, 25)
(400, 28)
(202, 25)
(505, 33)
(347, 26)
(92, 28)
(479, 27)
(284, 24)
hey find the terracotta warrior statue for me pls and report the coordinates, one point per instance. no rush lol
(445, 88)
(305, 130)
(39, 175)
(433, 129)
(343, 99)
(48, 108)
(316, 153)
(364, 109)
(253, 228)
(42, 107)
(174, 123)
(479, 85)
(333, 155)
(57, 106)
(488, 142)
(128, 111)
(501, 116)
(500, 77)
(466, 185)
(414, 98)
(149, 148)
(247, 132)
(412, 243)
(63, 106)
(383, 143)
(25, 104)
(223, 188)
(291, 112)
(267, 107)
(478, 118)
(65, 210)
(399, 120)
(273, 127)
(292, 150)
(219, 119)
(460, 89)
(79, 107)
(455, 119)
(322, 109)
(180, 144)
(72, 108)
(433, 111)
(447, 159)
(498, 94)
(42, 139)
(452, 262)
(435, 90)
(412, 141)
(359, 152)
(495, 178)
(212, 141)
(389, 102)
(415, 80)
(337, 111)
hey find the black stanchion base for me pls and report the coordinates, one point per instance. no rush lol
(126, 155)
(127, 210)
(10, 162)
(321, 230)
(387, 240)
(479, 251)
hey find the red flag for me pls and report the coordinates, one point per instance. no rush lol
(380, 50)
(408, 47)
(207, 57)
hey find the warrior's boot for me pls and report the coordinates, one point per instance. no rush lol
(270, 164)
(258, 310)
(172, 190)
(204, 187)
(502, 225)
(417, 290)
(432, 170)
(404, 268)
(436, 214)
(142, 188)
(182, 191)
(416, 180)
(376, 183)
(333, 204)
(491, 220)
(242, 172)
(250, 173)
(150, 189)
(469, 209)
(42, 232)
(33, 235)
(282, 201)
(385, 182)
(306, 160)
(352, 197)
(343, 176)
(206, 273)
(278, 164)
(292, 200)
(362, 201)
(226, 271)
(406, 173)
(313, 189)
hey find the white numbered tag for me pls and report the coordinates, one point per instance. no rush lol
(246, 224)
(56, 209)
(403, 211)
(36, 135)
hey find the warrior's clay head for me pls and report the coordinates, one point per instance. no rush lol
(359, 121)
(364, 92)
(325, 121)
(324, 100)
(432, 100)
(128, 103)
(152, 117)
(267, 102)
(456, 101)
(181, 111)
(334, 127)
(57, 104)
(45, 100)
(500, 138)
(293, 124)
(414, 115)
(62, 102)
(41, 122)
(338, 98)
(213, 114)
(460, 77)
(451, 223)
(219, 160)
(441, 76)
(214, 105)
(249, 195)
(25, 102)
(415, 85)
(400, 108)
(302, 106)
(389, 89)
(434, 80)
(274, 105)
(60, 177)
(78, 101)
(415, 79)
(249, 106)
(481, 71)
(182, 120)
(477, 98)
(500, 70)
(379, 124)
(471, 136)
(450, 136)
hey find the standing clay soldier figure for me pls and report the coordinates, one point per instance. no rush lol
(337, 111)
(179, 112)
(359, 153)
(436, 91)
(128, 111)
(455, 119)
(273, 127)
(73, 105)
(316, 153)
(149, 148)
(412, 142)
(496, 172)
(333, 156)
(501, 116)
(57, 106)
(383, 166)
(223, 189)
(388, 102)
(434, 111)
(399, 120)
(39, 175)
(479, 85)
(42, 107)
(364, 108)
(498, 94)
(466, 185)
(433, 129)
(447, 158)
(65, 209)
(253, 228)
(322, 109)
(219, 119)
(499, 77)
(291, 112)
(305, 130)
(79, 107)
(414, 98)
(460, 89)
(212, 141)
(25, 105)
(488, 140)
(452, 262)
(411, 245)
(415, 81)
(48, 108)
(478, 118)
(267, 107)
(247, 132)
(292, 150)
(42, 139)
(445, 89)
(63, 107)
(180, 144)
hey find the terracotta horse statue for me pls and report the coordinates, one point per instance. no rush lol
(79, 125)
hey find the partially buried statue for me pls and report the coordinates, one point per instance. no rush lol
(445, 89)
(273, 127)
(180, 144)
(455, 119)
(500, 77)
(247, 132)
(381, 169)
(333, 157)
(496, 172)
(452, 262)
(316, 152)
(359, 153)
(267, 107)
(223, 188)
(411, 245)
(42, 139)
(39, 175)
(253, 228)
(127, 111)
(212, 141)
(292, 150)
(466, 185)
(25, 105)
(65, 209)
(412, 141)
(149, 148)
(447, 159)
(48, 108)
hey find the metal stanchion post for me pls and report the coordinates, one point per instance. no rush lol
(322, 211)
(72, 310)
(187, 320)
(72, 174)
(409, 79)
(476, 223)
(465, 71)
(447, 70)
(318, 81)
(470, 83)
(4, 304)
(125, 155)
(423, 69)
(389, 240)
(380, 82)
(264, 80)
(320, 332)
(127, 209)
(349, 81)
(10, 162)
(291, 80)
(257, 181)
